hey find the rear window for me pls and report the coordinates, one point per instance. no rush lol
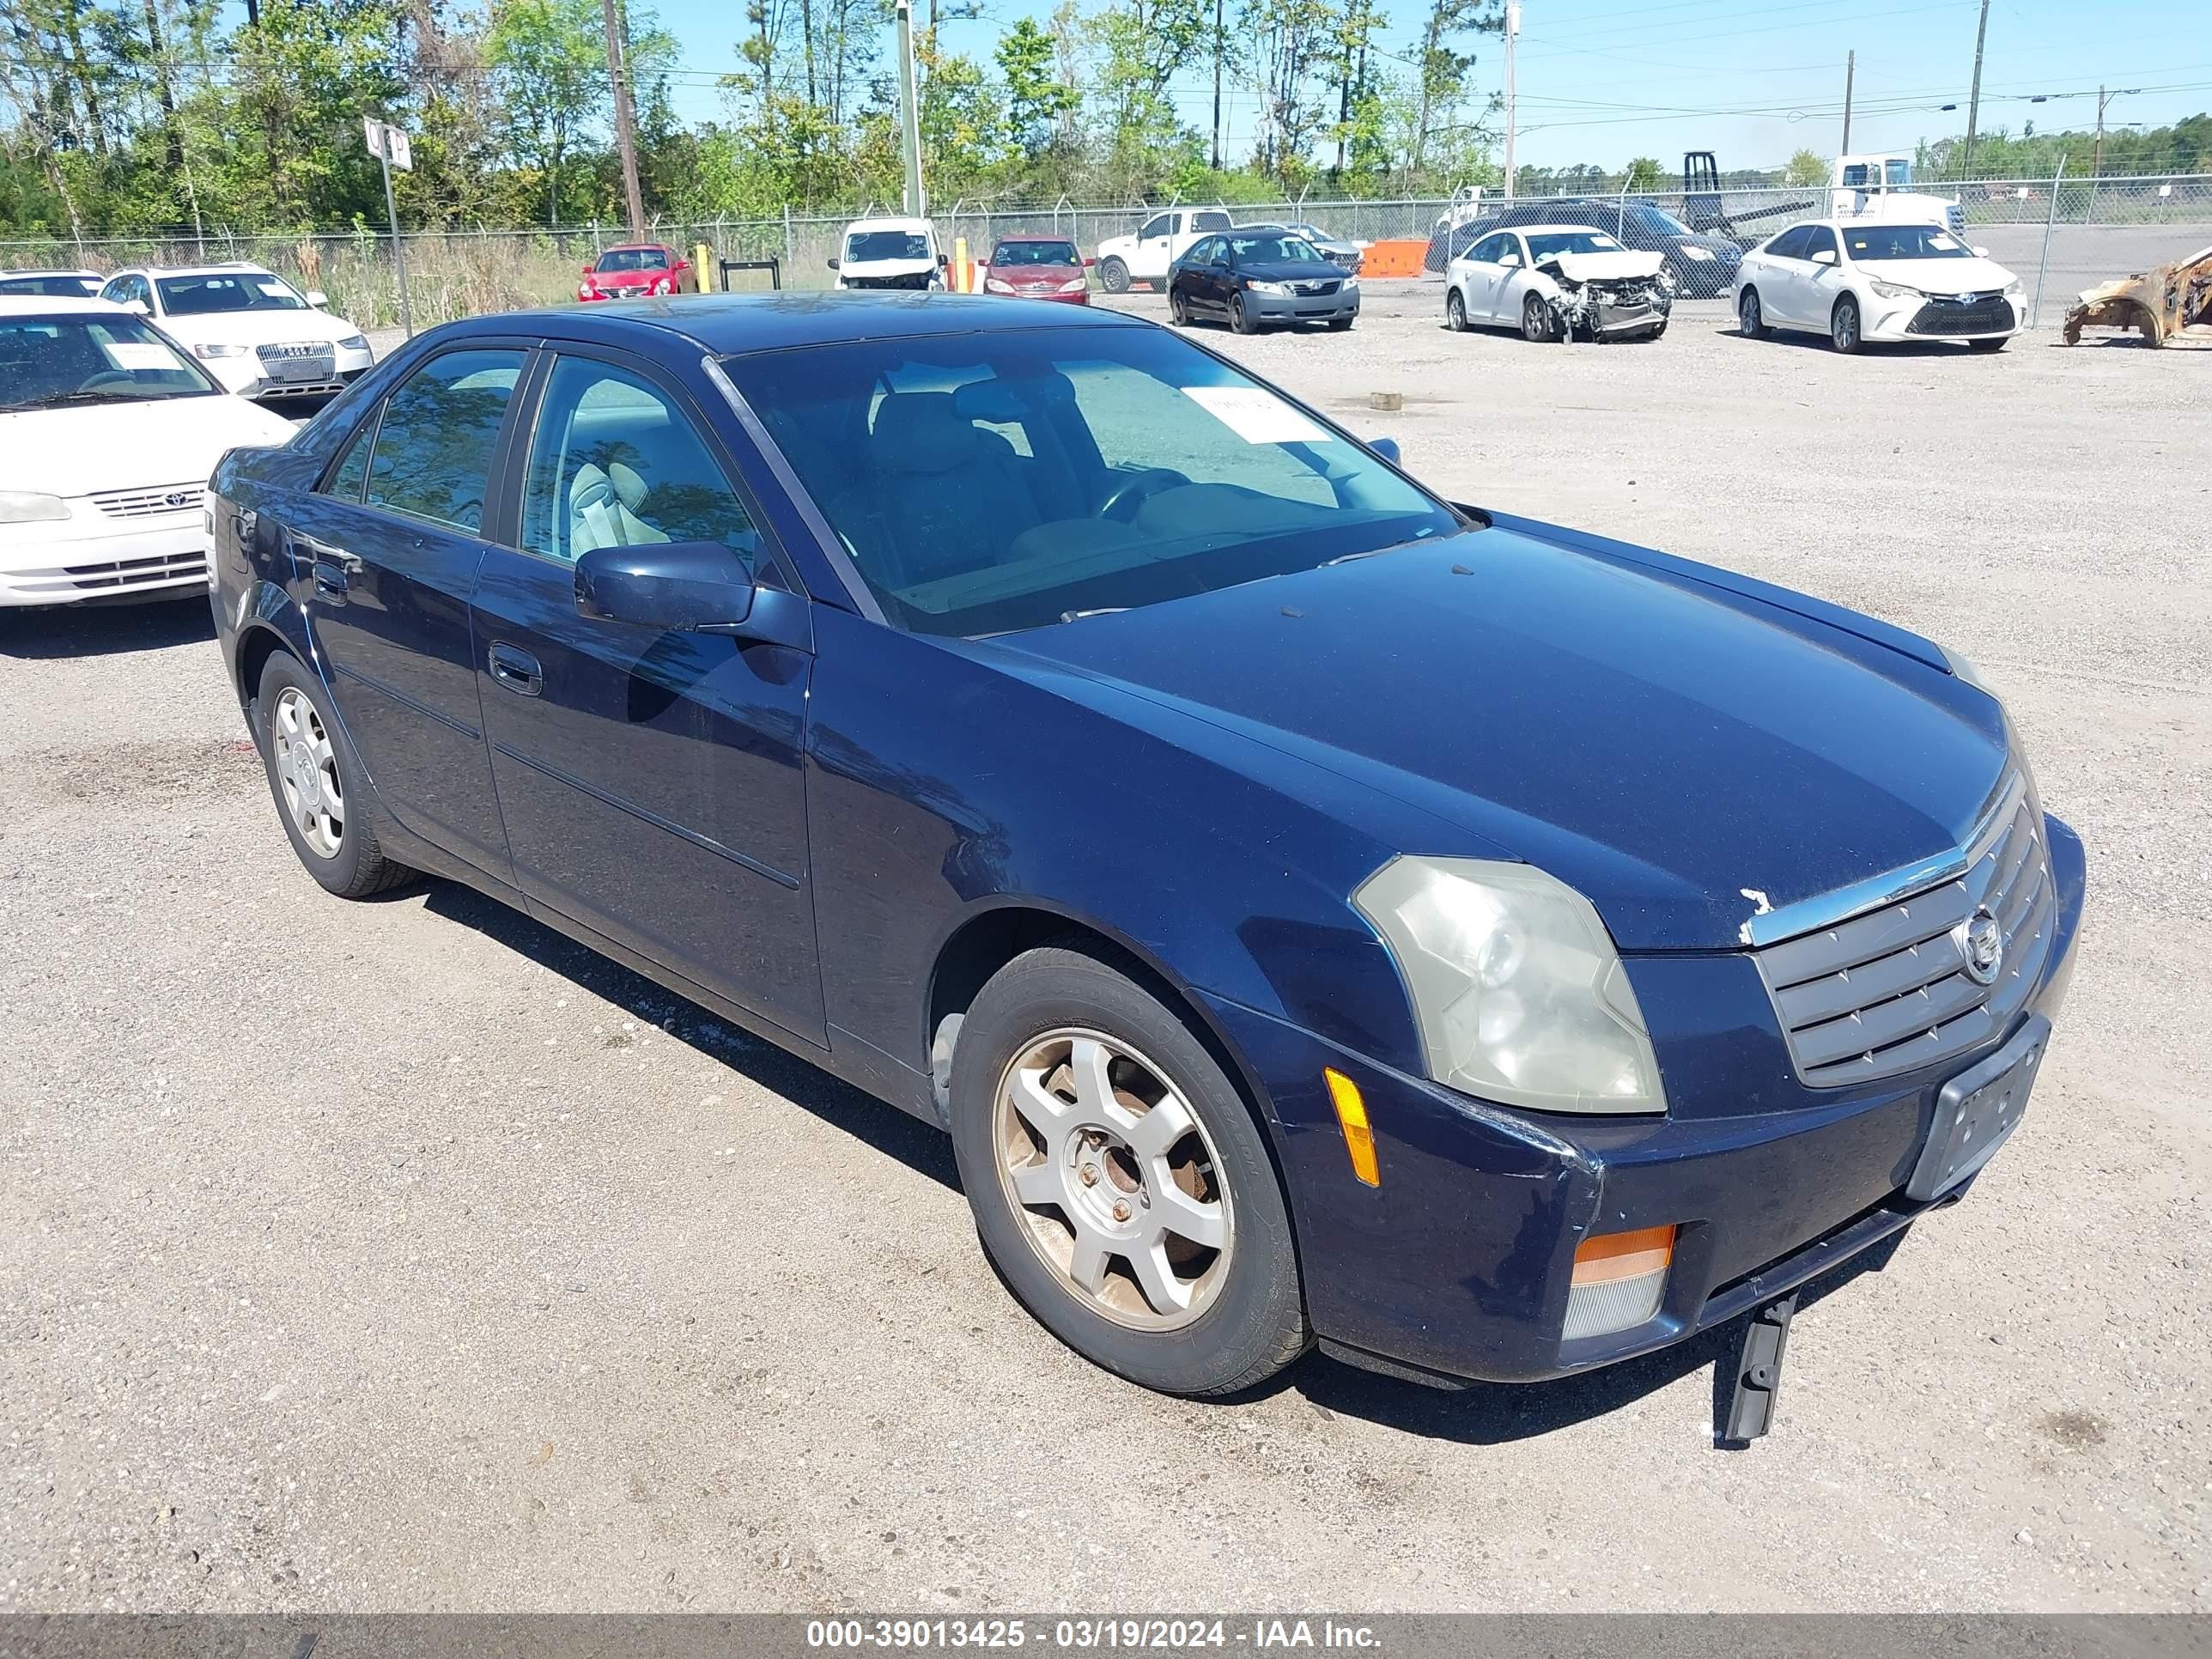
(1210, 221)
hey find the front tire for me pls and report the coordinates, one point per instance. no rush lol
(1114, 276)
(1536, 320)
(1996, 344)
(1750, 316)
(1845, 332)
(1239, 318)
(1120, 1183)
(1455, 312)
(1338, 324)
(318, 784)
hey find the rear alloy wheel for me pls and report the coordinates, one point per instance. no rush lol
(317, 784)
(1536, 320)
(1178, 309)
(1114, 276)
(1454, 311)
(1844, 330)
(1750, 318)
(1119, 1182)
(1239, 318)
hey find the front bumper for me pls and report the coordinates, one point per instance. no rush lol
(161, 557)
(1458, 1263)
(249, 377)
(1302, 308)
(1919, 319)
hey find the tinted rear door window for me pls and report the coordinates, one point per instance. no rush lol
(434, 449)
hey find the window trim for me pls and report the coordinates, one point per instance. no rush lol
(525, 444)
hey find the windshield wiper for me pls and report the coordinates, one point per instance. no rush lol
(1371, 553)
(1095, 611)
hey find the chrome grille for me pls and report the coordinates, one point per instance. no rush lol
(148, 503)
(1889, 989)
(270, 354)
(1313, 290)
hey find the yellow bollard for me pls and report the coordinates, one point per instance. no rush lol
(702, 268)
(960, 276)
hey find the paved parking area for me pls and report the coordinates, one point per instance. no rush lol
(401, 1255)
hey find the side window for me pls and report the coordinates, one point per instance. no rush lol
(614, 464)
(352, 472)
(1508, 251)
(1819, 239)
(1156, 226)
(433, 452)
(1790, 244)
(1486, 250)
(1207, 252)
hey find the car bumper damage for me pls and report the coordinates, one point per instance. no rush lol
(1512, 1246)
(1615, 307)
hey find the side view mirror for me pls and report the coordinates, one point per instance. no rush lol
(1386, 447)
(138, 306)
(588, 270)
(317, 298)
(1827, 256)
(1981, 253)
(832, 265)
(1088, 263)
(674, 586)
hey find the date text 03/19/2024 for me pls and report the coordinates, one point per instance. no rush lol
(1089, 1635)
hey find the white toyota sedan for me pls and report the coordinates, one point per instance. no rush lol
(109, 432)
(255, 332)
(1862, 282)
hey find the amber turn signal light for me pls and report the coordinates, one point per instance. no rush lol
(1352, 1118)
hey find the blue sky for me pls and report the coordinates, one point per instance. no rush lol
(1604, 80)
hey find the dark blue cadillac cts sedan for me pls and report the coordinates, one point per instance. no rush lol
(1316, 909)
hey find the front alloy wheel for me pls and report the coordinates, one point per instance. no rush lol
(1843, 329)
(1455, 312)
(1537, 319)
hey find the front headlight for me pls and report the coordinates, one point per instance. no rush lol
(1268, 288)
(2013, 290)
(1702, 255)
(1894, 290)
(997, 285)
(27, 507)
(218, 351)
(1352, 281)
(1073, 285)
(1519, 994)
(353, 343)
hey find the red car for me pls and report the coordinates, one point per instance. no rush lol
(633, 270)
(1037, 268)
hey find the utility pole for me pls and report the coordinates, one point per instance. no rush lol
(1512, 33)
(1851, 73)
(910, 115)
(625, 118)
(2097, 166)
(1220, 41)
(1974, 101)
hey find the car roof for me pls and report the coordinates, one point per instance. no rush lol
(728, 324)
(1034, 236)
(888, 221)
(93, 276)
(1548, 228)
(236, 267)
(54, 305)
(637, 247)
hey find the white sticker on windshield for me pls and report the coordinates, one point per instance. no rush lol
(135, 354)
(1255, 415)
(274, 290)
(1941, 243)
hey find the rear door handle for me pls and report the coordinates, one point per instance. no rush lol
(333, 565)
(517, 670)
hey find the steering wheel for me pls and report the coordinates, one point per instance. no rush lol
(107, 377)
(1123, 503)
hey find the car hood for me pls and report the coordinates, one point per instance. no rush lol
(1034, 276)
(1293, 271)
(256, 327)
(1626, 265)
(86, 448)
(1941, 276)
(1686, 753)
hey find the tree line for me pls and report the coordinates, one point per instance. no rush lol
(128, 118)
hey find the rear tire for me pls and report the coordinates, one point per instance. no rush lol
(1178, 309)
(1750, 315)
(1060, 1048)
(317, 782)
(1114, 276)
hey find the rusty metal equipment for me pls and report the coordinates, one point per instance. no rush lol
(2170, 305)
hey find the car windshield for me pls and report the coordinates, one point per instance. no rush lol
(633, 258)
(1014, 479)
(46, 363)
(863, 246)
(64, 285)
(1656, 220)
(1902, 242)
(1034, 253)
(1274, 250)
(242, 290)
(1543, 246)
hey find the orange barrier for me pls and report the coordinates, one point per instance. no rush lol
(1394, 258)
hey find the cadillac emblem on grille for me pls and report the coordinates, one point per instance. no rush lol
(1981, 941)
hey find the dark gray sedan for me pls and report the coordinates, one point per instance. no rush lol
(1254, 276)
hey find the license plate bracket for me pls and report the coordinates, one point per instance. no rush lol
(1976, 1111)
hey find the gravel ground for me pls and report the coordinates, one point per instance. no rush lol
(400, 1256)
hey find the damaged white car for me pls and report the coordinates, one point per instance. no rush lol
(1559, 282)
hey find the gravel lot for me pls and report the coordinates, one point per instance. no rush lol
(401, 1255)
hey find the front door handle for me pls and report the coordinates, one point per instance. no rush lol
(517, 670)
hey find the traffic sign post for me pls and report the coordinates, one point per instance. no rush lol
(390, 146)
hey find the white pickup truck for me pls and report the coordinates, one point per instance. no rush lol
(1145, 257)
(1880, 187)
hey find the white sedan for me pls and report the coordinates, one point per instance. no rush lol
(109, 432)
(1555, 282)
(255, 332)
(1860, 282)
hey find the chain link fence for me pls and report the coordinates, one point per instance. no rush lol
(2059, 234)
